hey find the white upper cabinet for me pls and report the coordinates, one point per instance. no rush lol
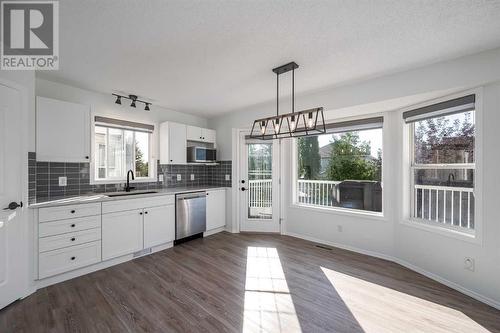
(172, 143)
(199, 134)
(62, 131)
(216, 209)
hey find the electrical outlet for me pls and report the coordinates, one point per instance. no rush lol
(160, 178)
(228, 177)
(179, 177)
(340, 228)
(63, 181)
(469, 264)
(192, 176)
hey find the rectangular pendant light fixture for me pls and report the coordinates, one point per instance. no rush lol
(289, 125)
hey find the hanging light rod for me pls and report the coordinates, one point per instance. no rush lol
(293, 124)
(134, 99)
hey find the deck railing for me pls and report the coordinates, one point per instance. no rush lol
(260, 193)
(317, 192)
(452, 206)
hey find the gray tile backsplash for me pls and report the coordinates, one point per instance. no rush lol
(43, 178)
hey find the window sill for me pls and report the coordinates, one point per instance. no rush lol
(442, 230)
(342, 211)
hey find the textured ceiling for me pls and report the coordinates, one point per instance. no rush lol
(209, 57)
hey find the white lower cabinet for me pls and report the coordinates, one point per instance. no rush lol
(122, 233)
(216, 209)
(132, 225)
(159, 225)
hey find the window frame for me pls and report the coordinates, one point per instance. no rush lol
(151, 161)
(380, 216)
(475, 235)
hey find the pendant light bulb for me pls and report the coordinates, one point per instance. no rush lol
(310, 120)
(263, 128)
(292, 123)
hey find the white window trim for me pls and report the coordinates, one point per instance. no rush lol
(152, 159)
(475, 236)
(380, 216)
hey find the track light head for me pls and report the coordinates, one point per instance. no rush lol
(118, 100)
(146, 108)
(132, 104)
(133, 98)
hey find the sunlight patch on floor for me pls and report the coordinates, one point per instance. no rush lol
(381, 309)
(268, 303)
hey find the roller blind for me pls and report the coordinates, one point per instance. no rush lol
(123, 124)
(457, 105)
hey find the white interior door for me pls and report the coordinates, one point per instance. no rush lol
(259, 185)
(13, 238)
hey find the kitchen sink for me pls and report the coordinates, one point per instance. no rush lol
(121, 194)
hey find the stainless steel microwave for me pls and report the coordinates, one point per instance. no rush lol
(201, 154)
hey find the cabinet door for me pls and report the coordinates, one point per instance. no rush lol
(216, 209)
(208, 135)
(177, 143)
(62, 131)
(194, 133)
(122, 233)
(159, 225)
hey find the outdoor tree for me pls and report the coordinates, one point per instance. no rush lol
(441, 140)
(309, 158)
(351, 159)
(141, 166)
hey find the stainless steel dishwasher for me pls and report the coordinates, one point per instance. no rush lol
(190, 215)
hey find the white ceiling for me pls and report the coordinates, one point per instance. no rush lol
(210, 57)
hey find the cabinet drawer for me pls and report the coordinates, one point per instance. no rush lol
(59, 261)
(68, 212)
(73, 238)
(71, 225)
(138, 203)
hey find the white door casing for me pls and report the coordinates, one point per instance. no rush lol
(259, 201)
(13, 232)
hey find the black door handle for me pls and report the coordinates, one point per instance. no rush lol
(13, 205)
(243, 189)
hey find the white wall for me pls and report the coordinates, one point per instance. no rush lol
(437, 255)
(104, 104)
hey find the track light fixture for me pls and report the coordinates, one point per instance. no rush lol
(289, 125)
(134, 99)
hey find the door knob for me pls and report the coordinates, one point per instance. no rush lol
(13, 205)
(243, 189)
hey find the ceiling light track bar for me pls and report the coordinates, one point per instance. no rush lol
(134, 100)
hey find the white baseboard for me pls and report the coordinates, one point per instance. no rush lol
(214, 231)
(453, 285)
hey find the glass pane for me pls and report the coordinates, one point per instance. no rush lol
(141, 154)
(129, 150)
(100, 152)
(341, 170)
(445, 196)
(116, 167)
(447, 139)
(260, 162)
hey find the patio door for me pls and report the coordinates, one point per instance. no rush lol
(259, 185)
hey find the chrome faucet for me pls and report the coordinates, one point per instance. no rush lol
(127, 187)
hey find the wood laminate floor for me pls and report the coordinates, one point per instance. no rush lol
(250, 283)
